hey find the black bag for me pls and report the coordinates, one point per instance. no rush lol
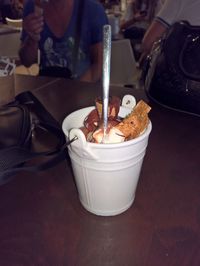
(22, 123)
(172, 76)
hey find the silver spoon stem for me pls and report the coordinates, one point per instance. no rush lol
(106, 73)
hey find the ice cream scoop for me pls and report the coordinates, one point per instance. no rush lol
(113, 136)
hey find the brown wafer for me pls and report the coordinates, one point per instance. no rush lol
(136, 122)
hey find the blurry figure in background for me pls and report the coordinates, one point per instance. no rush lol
(136, 20)
(6, 10)
(131, 26)
(134, 24)
(159, 4)
(53, 32)
(107, 4)
(11, 8)
(172, 11)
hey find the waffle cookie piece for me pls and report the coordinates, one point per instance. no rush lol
(136, 122)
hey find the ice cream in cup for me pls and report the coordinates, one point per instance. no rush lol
(107, 174)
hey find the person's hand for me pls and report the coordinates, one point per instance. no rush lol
(33, 25)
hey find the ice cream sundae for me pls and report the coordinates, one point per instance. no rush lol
(107, 175)
(119, 129)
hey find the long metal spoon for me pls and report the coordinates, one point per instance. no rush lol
(106, 76)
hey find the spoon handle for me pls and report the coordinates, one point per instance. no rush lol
(106, 72)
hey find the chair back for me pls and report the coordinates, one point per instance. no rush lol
(124, 69)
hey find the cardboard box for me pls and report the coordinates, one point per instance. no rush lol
(12, 85)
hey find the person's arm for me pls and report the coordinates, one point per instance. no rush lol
(93, 74)
(32, 25)
(165, 17)
(28, 52)
(153, 33)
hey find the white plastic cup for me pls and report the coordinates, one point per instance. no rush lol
(106, 175)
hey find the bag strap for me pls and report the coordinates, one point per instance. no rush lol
(13, 158)
(43, 118)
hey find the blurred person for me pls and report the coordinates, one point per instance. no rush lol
(6, 10)
(11, 9)
(140, 11)
(131, 26)
(53, 32)
(158, 5)
(171, 12)
(136, 21)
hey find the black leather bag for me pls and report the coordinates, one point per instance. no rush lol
(25, 126)
(172, 76)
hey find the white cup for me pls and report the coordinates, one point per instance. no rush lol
(106, 175)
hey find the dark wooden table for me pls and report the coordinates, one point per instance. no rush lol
(42, 222)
